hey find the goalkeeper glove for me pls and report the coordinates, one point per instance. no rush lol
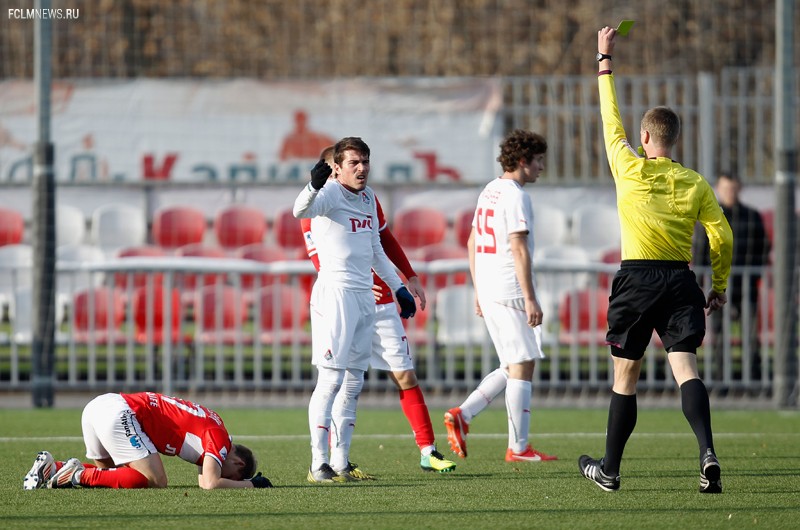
(320, 174)
(408, 307)
(260, 481)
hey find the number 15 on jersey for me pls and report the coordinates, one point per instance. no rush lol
(485, 241)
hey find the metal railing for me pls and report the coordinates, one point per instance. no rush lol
(194, 324)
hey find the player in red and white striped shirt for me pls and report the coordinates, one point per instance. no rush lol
(125, 434)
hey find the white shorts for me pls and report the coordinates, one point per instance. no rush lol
(342, 325)
(514, 340)
(111, 430)
(390, 350)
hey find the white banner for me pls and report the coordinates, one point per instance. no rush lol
(419, 130)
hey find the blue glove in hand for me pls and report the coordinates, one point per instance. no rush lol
(320, 174)
(260, 481)
(408, 307)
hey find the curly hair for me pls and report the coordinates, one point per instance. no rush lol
(520, 145)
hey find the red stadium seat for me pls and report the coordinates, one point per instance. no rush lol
(98, 316)
(583, 305)
(463, 226)
(12, 227)
(220, 314)
(612, 257)
(239, 225)
(284, 314)
(199, 250)
(417, 227)
(176, 226)
(287, 231)
(138, 279)
(149, 309)
(264, 254)
(439, 251)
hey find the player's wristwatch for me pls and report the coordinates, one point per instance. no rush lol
(601, 56)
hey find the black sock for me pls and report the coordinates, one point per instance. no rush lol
(694, 401)
(621, 420)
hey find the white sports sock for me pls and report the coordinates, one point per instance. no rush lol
(481, 397)
(344, 418)
(518, 406)
(329, 381)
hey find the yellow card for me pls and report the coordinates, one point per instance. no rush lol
(624, 27)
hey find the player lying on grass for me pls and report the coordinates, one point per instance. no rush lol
(125, 434)
(390, 348)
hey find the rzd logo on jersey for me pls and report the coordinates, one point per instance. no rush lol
(360, 224)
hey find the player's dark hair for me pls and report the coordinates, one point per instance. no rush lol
(520, 145)
(250, 463)
(350, 143)
(730, 175)
(663, 124)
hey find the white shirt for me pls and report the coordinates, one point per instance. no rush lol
(345, 228)
(503, 209)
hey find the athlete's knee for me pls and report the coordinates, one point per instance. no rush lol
(405, 380)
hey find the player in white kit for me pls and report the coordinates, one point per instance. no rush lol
(500, 254)
(390, 347)
(345, 223)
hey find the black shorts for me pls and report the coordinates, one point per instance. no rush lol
(655, 295)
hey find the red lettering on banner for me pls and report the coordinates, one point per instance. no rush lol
(152, 172)
(433, 169)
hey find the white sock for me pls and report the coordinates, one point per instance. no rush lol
(329, 381)
(518, 406)
(344, 418)
(481, 397)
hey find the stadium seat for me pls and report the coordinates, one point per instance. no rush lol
(12, 227)
(595, 228)
(552, 283)
(239, 225)
(611, 256)
(441, 251)
(70, 225)
(16, 263)
(138, 279)
(20, 317)
(284, 314)
(98, 315)
(149, 309)
(576, 312)
(117, 226)
(176, 226)
(455, 315)
(220, 313)
(550, 226)
(462, 226)
(263, 254)
(77, 255)
(287, 231)
(417, 227)
(199, 250)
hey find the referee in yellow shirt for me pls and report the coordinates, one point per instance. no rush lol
(659, 202)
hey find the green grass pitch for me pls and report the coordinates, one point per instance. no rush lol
(759, 452)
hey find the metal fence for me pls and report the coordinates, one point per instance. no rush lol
(193, 324)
